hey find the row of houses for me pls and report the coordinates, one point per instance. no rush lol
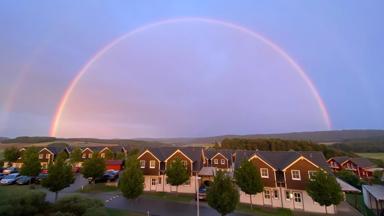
(285, 174)
(362, 167)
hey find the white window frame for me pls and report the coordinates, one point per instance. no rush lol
(152, 164)
(84, 155)
(153, 181)
(41, 156)
(216, 161)
(297, 197)
(102, 155)
(142, 163)
(185, 163)
(222, 161)
(287, 192)
(309, 174)
(296, 178)
(48, 156)
(275, 192)
(89, 155)
(267, 194)
(261, 173)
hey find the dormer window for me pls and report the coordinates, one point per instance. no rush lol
(295, 174)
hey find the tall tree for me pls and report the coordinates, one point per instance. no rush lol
(31, 164)
(349, 177)
(248, 179)
(11, 154)
(177, 173)
(93, 167)
(75, 156)
(324, 189)
(60, 176)
(223, 194)
(131, 181)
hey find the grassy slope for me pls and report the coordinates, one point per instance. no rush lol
(375, 155)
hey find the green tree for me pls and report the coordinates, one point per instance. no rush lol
(131, 181)
(60, 176)
(77, 205)
(75, 156)
(324, 189)
(377, 175)
(248, 179)
(31, 164)
(93, 167)
(177, 173)
(120, 156)
(109, 155)
(349, 177)
(11, 154)
(223, 194)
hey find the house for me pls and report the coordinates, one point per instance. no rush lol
(49, 153)
(221, 159)
(285, 175)
(154, 162)
(106, 152)
(335, 162)
(362, 167)
(374, 198)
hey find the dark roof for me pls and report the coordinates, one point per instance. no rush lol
(340, 159)
(57, 148)
(362, 162)
(281, 159)
(211, 152)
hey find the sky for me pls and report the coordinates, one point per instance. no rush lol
(189, 68)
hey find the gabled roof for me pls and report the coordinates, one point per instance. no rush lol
(362, 162)
(57, 148)
(211, 152)
(339, 159)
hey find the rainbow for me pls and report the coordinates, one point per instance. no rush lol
(101, 52)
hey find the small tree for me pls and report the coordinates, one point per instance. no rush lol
(60, 176)
(177, 173)
(11, 154)
(223, 194)
(75, 156)
(324, 189)
(31, 164)
(93, 167)
(349, 177)
(248, 179)
(131, 181)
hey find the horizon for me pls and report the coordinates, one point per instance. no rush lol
(186, 69)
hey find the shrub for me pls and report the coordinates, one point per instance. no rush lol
(77, 205)
(24, 204)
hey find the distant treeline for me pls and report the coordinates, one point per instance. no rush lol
(26, 139)
(373, 146)
(281, 145)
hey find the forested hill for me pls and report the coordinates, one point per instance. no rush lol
(334, 136)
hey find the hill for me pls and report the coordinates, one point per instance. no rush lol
(335, 136)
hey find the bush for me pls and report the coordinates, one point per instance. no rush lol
(96, 212)
(349, 177)
(24, 204)
(77, 205)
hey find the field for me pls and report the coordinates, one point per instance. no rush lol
(373, 155)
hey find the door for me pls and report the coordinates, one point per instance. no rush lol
(153, 184)
(298, 200)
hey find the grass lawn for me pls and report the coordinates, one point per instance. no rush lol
(97, 188)
(119, 212)
(177, 197)
(263, 211)
(1, 155)
(374, 155)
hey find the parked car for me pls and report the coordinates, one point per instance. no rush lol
(10, 170)
(10, 179)
(2, 175)
(40, 177)
(202, 192)
(110, 175)
(23, 180)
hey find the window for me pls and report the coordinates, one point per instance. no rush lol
(267, 194)
(295, 175)
(216, 161)
(102, 155)
(89, 155)
(185, 163)
(48, 156)
(275, 194)
(311, 174)
(84, 155)
(288, 195)
(153, 182)
(152, 164)
(41, 156)
(264, 173)
(142, 163)
(297, 197)
(222, 161)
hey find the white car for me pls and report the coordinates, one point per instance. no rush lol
(10, 179)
